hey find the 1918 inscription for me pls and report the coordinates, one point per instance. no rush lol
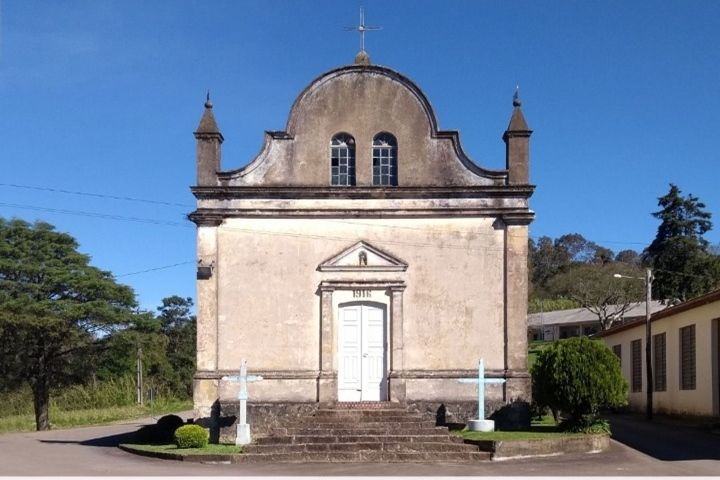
(362, 293)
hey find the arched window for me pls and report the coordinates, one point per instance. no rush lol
(385, 160)
(342, 160)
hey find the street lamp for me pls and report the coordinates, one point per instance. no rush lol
(648, 337)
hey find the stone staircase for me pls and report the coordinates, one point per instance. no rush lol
(362, 432)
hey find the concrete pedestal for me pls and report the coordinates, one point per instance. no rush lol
(243, 434)
(481, 425)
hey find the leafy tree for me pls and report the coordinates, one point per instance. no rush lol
(54, 306)
(578, 377)
(682, 263)
(142, 337)
(576, 248)
(546, 260)
(602, 255)
(631, 257)
(595, 289)
(180, 327)
(166, 343)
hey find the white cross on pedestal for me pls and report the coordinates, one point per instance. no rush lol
(480, 424)
(243, 429)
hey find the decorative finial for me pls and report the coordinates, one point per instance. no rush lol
(362, 58)
(208, 103)
(516, 97)
(362, 28)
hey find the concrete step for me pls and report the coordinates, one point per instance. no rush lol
(361, 446)
(346, 412)
(331, 439)
(364, 456)
(372, 416)
(364, 406)
(360, 430)
(370, 423)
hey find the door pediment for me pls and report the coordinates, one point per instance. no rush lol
(363, 257)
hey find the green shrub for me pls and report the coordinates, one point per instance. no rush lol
(191, 436)
(578, 377)
(166, 427)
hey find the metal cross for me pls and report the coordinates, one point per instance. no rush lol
(481, 381)
(243, 429)
(362, 28)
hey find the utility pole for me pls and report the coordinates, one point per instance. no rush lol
(139, 382)
(648, 349)
(648, 340)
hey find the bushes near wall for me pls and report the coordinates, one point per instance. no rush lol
(191, 436)
(577, 377)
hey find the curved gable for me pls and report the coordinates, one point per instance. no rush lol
(362, 101)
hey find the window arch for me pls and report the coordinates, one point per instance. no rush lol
(342, 160)
(385, 160)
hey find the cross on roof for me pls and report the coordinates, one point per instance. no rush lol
(362, 28)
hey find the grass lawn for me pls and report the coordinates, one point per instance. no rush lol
(539, 430)
(210, 449)
(95, 416)
(533, 349)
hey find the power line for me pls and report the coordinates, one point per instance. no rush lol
(184, 205)
(105, 216)
(97, 195)
(164, 267)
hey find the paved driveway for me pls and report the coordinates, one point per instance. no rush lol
(659, 450)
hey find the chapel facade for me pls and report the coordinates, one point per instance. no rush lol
(361, 256)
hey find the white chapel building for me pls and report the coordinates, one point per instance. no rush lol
(361, 256)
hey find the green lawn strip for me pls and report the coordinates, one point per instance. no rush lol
(210, 449)
(544, 428)
(534, 348)
(93, 416)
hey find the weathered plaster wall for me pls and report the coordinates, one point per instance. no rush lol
(269, 307)
(363, 103)
(266, 227)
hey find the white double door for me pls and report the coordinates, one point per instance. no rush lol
(362, 366)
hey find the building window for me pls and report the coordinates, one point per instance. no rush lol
(342, 160)
(659, 360)
(687, 358)
(636, 359)
(617, 350)
(385, 160)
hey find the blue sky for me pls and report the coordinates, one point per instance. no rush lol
(103, 96)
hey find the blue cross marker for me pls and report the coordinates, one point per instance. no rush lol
(481, 381)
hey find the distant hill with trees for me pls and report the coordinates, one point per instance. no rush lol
(574, 272)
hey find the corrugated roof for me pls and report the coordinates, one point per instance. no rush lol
(581, 315)
(711, 297)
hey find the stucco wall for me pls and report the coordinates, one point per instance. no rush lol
(265, 228)
(703, 399)
(362, 102)
(269, 306)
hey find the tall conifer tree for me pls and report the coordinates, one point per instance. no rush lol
(682, 263)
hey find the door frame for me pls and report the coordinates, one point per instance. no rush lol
(332, 293)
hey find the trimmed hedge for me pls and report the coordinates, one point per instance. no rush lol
(161, 433)
(578, 377)
(191, 436)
